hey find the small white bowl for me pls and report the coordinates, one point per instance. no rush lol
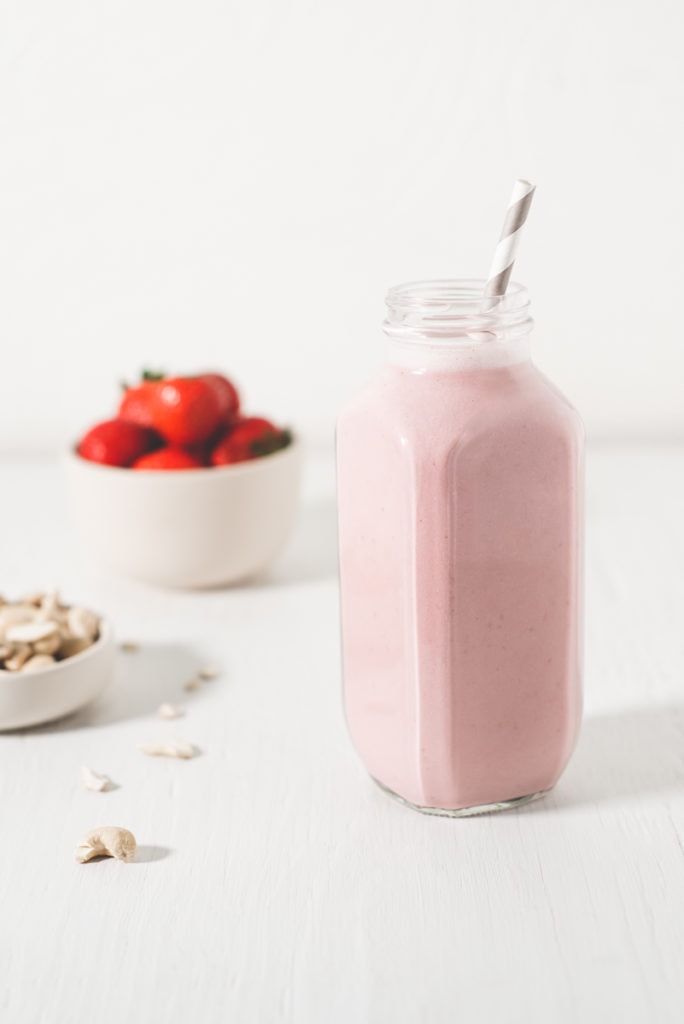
(32, 698)
(187, 528)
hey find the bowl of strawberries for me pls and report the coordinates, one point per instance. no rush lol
(181, 488)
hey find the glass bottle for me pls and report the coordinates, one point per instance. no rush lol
(460, 480)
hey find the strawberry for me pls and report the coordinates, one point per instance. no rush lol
(116, 443)
(185, 410)
(200, 452)
(226, 393)
(251, 438)
(135, 406)
(168, 458)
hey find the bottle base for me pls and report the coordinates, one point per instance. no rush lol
(464, 812)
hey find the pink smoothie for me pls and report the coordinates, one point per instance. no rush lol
(460, 473)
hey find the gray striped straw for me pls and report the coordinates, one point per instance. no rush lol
(504, 257)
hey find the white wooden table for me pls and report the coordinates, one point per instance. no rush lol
(275, 882)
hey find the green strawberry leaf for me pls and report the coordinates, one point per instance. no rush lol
(272, 442)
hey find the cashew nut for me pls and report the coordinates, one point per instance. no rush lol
(40, 627)
(31, 632)
(50, 606)
(37, 662)
(169, 711)
(83, 623)
(208, 673)
(49, 645)
(73, 645)
(172, 747)
(20, 654)
(93, 780)
(11, 614)
(108, 841)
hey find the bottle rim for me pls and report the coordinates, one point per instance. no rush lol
(456, 308)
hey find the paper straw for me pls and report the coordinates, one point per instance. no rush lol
(504, 257)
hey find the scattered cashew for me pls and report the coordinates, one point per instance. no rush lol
(208, 673)
(129, 646)
(172, 747)
(109, 841)
(203, 676)
(93, 780)
(169, 711)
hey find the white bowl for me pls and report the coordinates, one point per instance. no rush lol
(187, 528)
(31, 698)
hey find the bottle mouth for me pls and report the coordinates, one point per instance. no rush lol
(456, 309)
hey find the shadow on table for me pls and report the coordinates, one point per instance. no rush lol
(620, 756)
(148, 854)
(144, 855)
(144, 679)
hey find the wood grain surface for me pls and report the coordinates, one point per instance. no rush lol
(275, 882)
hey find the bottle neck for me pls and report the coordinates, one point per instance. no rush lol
(448, 326)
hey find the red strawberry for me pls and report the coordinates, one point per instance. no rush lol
(185, 410)
(168, 458)
(116, 443)
(136, 404)
(227, 394)
(200, 452)
(252, 437)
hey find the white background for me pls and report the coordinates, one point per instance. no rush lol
(236, 185)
